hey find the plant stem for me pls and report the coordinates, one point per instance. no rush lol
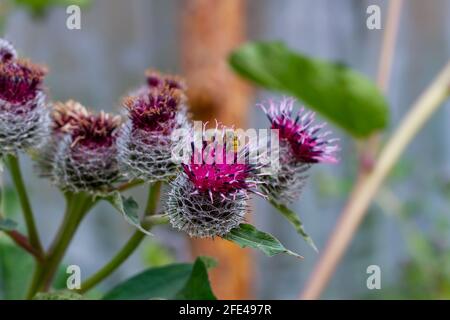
(133, 243)
(22, 241)
(16, 176)
(77, 207)
(420, 112)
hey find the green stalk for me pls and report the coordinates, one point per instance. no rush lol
(77, 207)
(16, 175)
(133, 243)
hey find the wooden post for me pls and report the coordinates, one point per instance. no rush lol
(210, 30)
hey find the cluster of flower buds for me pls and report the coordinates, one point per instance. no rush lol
(24, 116)
(154, 113)
(301, 144)
(209, 197)
(90, 152)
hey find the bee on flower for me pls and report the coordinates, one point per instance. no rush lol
(209, 197)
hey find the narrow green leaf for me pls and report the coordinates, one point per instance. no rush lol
(293, 218)
(129, 209)
(7, 224)
(343, 96)
(175, 281)
(247, 235)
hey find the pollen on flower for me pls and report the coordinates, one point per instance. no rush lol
(20, 80)
(65, 115)
(94, 131)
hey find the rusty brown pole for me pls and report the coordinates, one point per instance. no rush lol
(210, 30)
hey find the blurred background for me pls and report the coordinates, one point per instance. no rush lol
(407, 230)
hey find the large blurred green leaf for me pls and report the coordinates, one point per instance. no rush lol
(247, 235)
(16, 267)
(175, 281)
(345, 97)
(39, 8)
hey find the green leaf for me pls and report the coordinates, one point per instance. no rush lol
(16, 270)
(7, 224)
(247, 235)
(59, 295)
(197, 287)
(343, 96)
(293, 218)
(175, 281)
(129, 209)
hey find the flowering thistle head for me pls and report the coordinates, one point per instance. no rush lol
(64, 116)
(209, 198)
(24, 119)
(146, 140)
(301, 144)
(85, 158)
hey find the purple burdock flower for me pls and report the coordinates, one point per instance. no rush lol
(209, 197)
(64, 117)
(146, 140)
(302, 143)
(86, 156)
(24, 119)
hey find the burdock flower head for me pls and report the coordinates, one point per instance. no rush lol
(86, 156)
(24, 119)
(146, 140)
(302, 143)
(209, 198)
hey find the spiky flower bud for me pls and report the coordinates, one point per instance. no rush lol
(64, 117)
(301, 144)
(146, 140)
(24, 119)
(7, 51)
(86, 156)
(209, 198)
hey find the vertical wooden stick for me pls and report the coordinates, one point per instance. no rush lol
(211, 29)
